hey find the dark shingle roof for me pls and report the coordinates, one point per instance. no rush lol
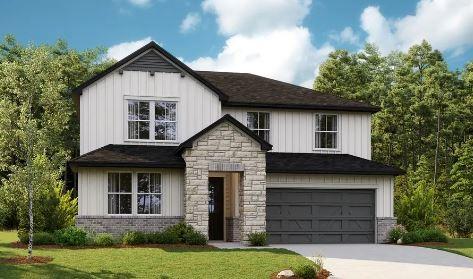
(146, 156)
(121, 155)
(312, 163)
(248, 90)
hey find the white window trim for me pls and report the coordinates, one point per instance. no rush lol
(160, 194)
(108, 193)
(269, 130)
(152, 119)
(134, 193)
(338, 149)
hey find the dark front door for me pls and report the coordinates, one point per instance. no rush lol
(216, 208)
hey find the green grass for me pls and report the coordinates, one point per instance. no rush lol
(147, 262)
(462, 246)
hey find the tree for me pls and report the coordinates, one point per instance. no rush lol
(426, 110)
(39, 130)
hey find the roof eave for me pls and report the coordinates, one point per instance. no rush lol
(370, 109)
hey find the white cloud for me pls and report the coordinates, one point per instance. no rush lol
(447, 25)
(285, 54)
(265, 37)
(121, 50)
(250, 16)
(347, 35)
(141, 3)
(190, 22)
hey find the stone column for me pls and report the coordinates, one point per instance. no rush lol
(383, 226)
(196, 192)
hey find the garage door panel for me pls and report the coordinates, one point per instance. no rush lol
(320, 216)
(329, 211)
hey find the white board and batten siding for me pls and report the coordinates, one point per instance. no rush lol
(293, 130)
(103, 109)
(93, 190)
(383, 185)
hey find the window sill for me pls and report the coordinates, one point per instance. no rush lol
(137, 216)
(153, 141)
(327, 149)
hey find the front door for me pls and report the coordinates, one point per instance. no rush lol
(216, 208)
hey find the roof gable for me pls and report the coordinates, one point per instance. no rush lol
(151, 61)
(165, 56)
(227, 117)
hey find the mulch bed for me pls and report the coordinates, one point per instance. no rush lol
(25, 260)
(424, 244)
(162, 246)
(323, 274)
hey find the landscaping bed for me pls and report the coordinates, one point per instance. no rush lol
(168, 261)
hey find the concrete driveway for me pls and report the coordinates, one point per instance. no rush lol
(365, 261)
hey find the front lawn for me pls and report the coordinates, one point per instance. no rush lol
(148, 262)
(462, 246)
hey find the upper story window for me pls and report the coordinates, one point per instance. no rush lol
(138, 120)
(165, 121)
(258, 122)
(326, 131)
(152, 120)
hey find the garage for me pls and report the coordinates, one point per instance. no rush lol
(320, 215)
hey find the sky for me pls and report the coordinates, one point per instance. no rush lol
(281, 39)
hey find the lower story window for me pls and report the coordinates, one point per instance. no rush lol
(149, 193)
(119, 193)
(122, 189)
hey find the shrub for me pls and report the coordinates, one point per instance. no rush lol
(417, 208)
(104, 239)
(40, 238)
(396, 233)
(305, 271)
(133, 238)
(180, 230)
(424, 235)
(459, 215)
(258, 239)
(71, 236)
(195, 238)
(167, 237)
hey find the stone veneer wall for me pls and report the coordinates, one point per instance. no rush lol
(118, 225)
(383, 226)
(226, 144)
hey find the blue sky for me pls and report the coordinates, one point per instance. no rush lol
(283, 39)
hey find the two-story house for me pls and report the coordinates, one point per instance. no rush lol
(228, 153)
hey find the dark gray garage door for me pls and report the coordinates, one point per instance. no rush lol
(320, 216)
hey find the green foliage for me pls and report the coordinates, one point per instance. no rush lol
(396, 233)
(39, 238)
(459, 213)
(104, 239)
(425, 111)
(305, 271)
(38, 121)
(258, 239)
(180, 230)
(71, 236)
(195, 238)
(166, 237)
(133, 238)
(424, 235)
(417, 208)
